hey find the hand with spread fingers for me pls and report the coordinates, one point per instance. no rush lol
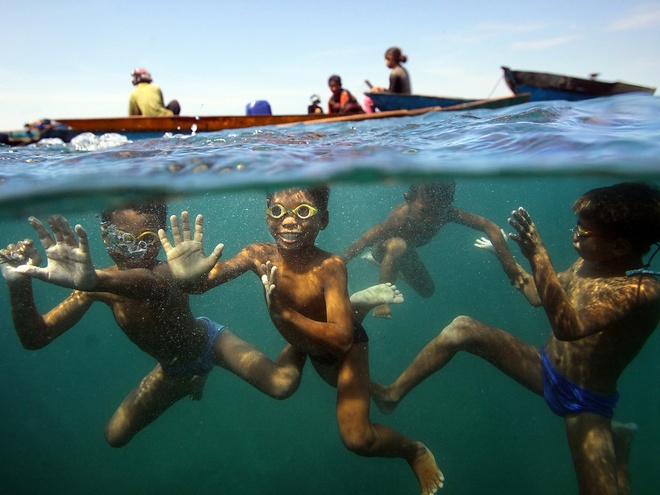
(186, 257)
(268, 280)
(69, 261)
(21, 253)
(527, 236)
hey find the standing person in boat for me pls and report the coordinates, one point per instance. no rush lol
(399, 78)
(341, 101)
(601, 312)
(147, 98)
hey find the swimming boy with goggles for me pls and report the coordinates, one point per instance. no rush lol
(307, 298)
(601, 311)
(147, 305)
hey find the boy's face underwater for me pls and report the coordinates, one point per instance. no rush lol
(131, 238)
(290, 231)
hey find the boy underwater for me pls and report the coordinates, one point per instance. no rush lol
(601, 311)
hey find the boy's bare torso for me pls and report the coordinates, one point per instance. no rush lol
(162, 325)
(626, 308)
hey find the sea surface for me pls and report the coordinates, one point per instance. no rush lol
(488, 434)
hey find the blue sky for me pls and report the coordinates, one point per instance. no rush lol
(74, 58)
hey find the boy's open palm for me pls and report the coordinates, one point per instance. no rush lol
(69, 261)
(186, 257)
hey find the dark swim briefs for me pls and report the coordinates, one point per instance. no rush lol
(359, 337)
(204, 363)
(566, 397)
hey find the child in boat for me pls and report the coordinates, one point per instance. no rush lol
(148, 307)
(601, 312)
(308, 302)
(399, 77)
(412, 224)
(341, 100)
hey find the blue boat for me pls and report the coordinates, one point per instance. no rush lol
(544, 86)
(387, 102)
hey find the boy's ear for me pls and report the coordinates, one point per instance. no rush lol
(622, 246)
(325, 218)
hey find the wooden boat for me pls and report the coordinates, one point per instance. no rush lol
(544, 86)
(143, 127)
(152, 127)
(392, 101)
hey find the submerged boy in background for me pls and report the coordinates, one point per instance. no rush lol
(307, 298)
(148, 307)
(410, 225)
(601, 311)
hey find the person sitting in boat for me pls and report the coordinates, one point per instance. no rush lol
(147, 99)
(341, 101)
(399, 78)
(315, 104)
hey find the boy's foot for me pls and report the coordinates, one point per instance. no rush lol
(383, 311)
(370, 258)
(425, 468)
(376, 295)
(381, 396)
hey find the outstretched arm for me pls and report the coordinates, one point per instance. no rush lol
(496, 243)
(33, 329)
(374, 235)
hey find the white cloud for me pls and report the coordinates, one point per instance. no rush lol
(645, 16)
(546, 43)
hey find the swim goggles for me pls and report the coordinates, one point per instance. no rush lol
(127, 243)
(580, 231)
(303, 211)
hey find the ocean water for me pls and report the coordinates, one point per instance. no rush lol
(489, 435)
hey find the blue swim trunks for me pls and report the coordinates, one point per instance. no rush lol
(566, 397)
(204, 363)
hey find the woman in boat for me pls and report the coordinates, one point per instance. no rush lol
(341, 101)
(399, 78)
(147, 99)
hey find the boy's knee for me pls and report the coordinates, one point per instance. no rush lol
(360, 441)
(396, 246)
(459, 329)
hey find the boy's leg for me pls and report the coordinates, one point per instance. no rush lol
(517, 359)
(146, 402)
(364, 438)
(622, 435)
(279, 379)
(592, 450)
(365, 300)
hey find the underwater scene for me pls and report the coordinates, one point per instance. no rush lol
(488, 433)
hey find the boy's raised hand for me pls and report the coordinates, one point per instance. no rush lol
(15, 255)
(186, 257)
(527, 235)
(69, 261)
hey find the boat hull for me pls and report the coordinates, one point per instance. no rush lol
(546, 87)
(386, 102)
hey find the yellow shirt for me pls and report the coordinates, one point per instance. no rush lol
(147, 99)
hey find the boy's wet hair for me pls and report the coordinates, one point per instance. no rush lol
(438, 192)
(334, 78)
(157, 208)
(630, 210)
(320, 195)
